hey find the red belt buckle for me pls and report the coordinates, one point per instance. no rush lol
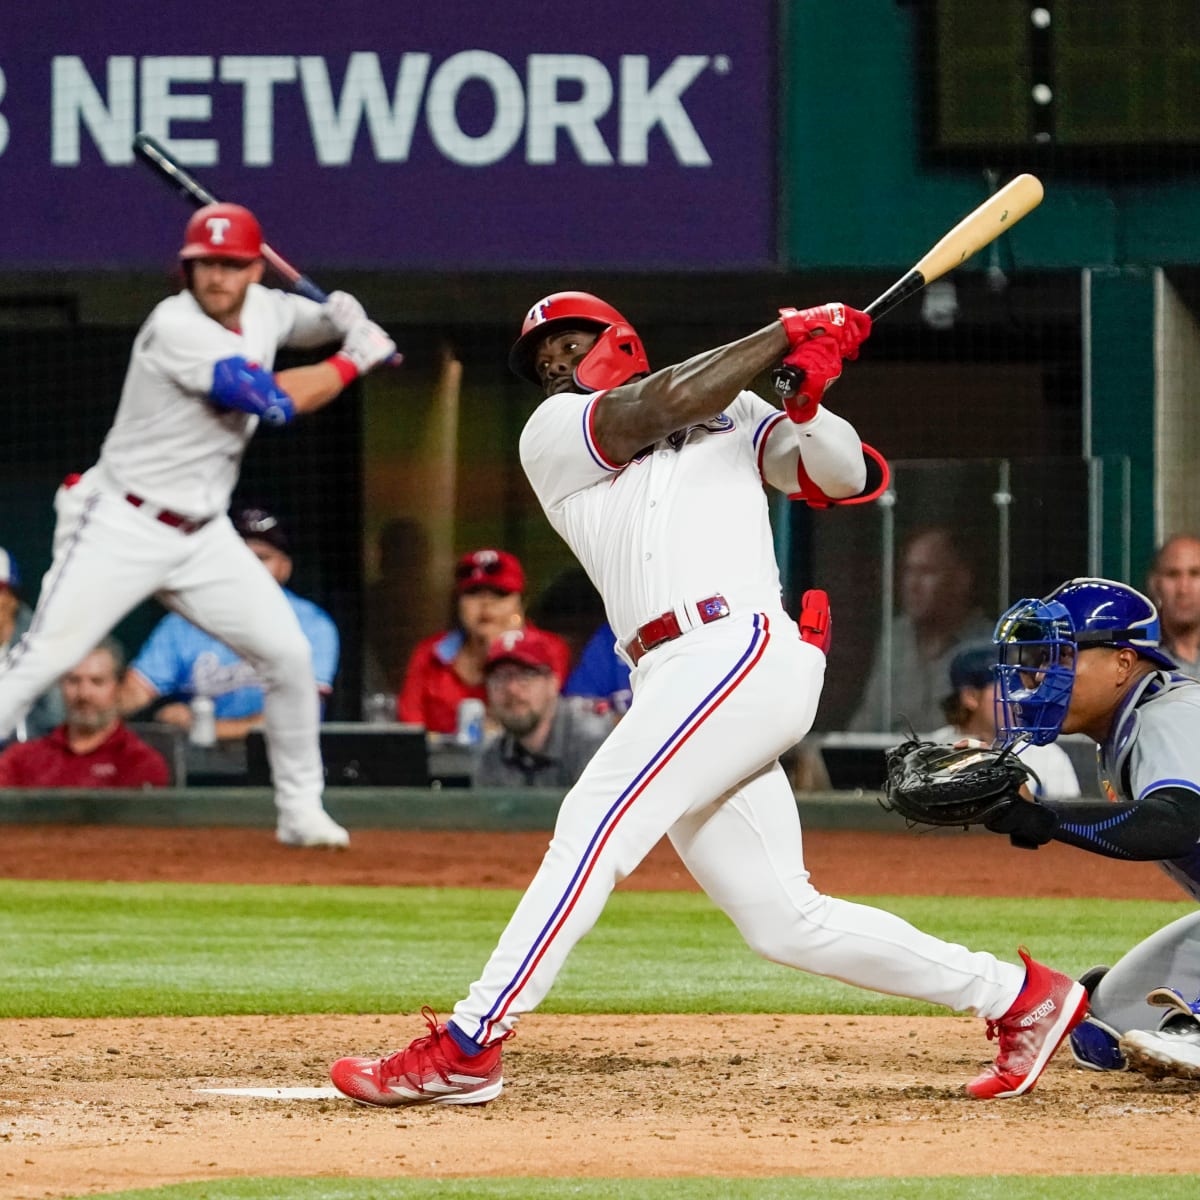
(661, 629)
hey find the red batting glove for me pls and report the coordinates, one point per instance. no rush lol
(847, 326)
(817, 364)
(816, 621)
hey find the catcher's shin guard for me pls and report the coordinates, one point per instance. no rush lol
(1097, 1046)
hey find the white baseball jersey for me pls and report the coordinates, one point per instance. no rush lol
(169, 444)
(685, 519)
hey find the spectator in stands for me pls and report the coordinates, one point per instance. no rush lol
(179, 661)
(92, 749)
(447, 667)
(1174, 585)
(543, 742)
(938, 616)
(47, 712)
(970, 709)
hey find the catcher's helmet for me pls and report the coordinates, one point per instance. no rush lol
(1035, 678)
(222, 231)
(617, 356)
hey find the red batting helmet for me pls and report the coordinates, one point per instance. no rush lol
(617, 356)
(222, 231)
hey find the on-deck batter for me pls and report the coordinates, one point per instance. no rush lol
(150, 517)
(655, 481)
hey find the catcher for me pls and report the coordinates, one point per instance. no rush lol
(1086, 659)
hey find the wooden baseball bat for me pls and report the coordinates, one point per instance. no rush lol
(160, 160)
(997, 214)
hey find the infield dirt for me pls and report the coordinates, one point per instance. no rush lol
(88, 1107)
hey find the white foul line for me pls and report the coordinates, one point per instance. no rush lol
(278, 1093)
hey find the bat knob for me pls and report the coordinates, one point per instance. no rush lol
(787, 381)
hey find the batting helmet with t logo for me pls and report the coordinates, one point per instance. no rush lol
(617, 356)
(222, 231)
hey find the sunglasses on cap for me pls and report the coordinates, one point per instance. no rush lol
(467, 569)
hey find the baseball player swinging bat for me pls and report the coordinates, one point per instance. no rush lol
(155, 155)
(997, 214)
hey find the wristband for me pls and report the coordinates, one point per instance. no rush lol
(346, 370)
(787, 318)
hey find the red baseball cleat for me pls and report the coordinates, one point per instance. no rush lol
(431, 1070)
(1047, 1008)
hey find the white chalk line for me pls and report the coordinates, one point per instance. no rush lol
(276, 1093)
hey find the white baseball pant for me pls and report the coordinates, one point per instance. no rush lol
(110, 556)
(696, 757)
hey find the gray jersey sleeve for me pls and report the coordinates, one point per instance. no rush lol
(1166, 752)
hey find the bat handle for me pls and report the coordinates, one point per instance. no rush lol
(904, 287)
(304, 286)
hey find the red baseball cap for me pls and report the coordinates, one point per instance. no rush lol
(496, 569)
(526, 647)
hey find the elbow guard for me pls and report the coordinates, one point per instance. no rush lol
(879, 475)
(249, 388)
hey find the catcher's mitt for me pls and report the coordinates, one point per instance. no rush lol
(932, 784)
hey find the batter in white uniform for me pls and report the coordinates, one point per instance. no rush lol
(655, 481)
(150, 517)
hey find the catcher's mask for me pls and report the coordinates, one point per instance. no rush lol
(617, 356)
(1037, 642)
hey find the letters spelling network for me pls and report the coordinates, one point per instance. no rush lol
(147, 93)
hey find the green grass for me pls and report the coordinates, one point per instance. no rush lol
(1074, 1187)
(92, 950)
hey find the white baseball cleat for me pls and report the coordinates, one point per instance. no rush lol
(1173, 1049)
(312, 829)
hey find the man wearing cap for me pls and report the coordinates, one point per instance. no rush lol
(970, 708)
(447, 668)
(47, 711)
(181, 661)
(543, 743)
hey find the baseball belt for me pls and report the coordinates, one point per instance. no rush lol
(666, 627)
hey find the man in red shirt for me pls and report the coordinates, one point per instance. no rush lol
(93, 748)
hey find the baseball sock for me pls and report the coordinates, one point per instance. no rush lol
(467, 1045)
